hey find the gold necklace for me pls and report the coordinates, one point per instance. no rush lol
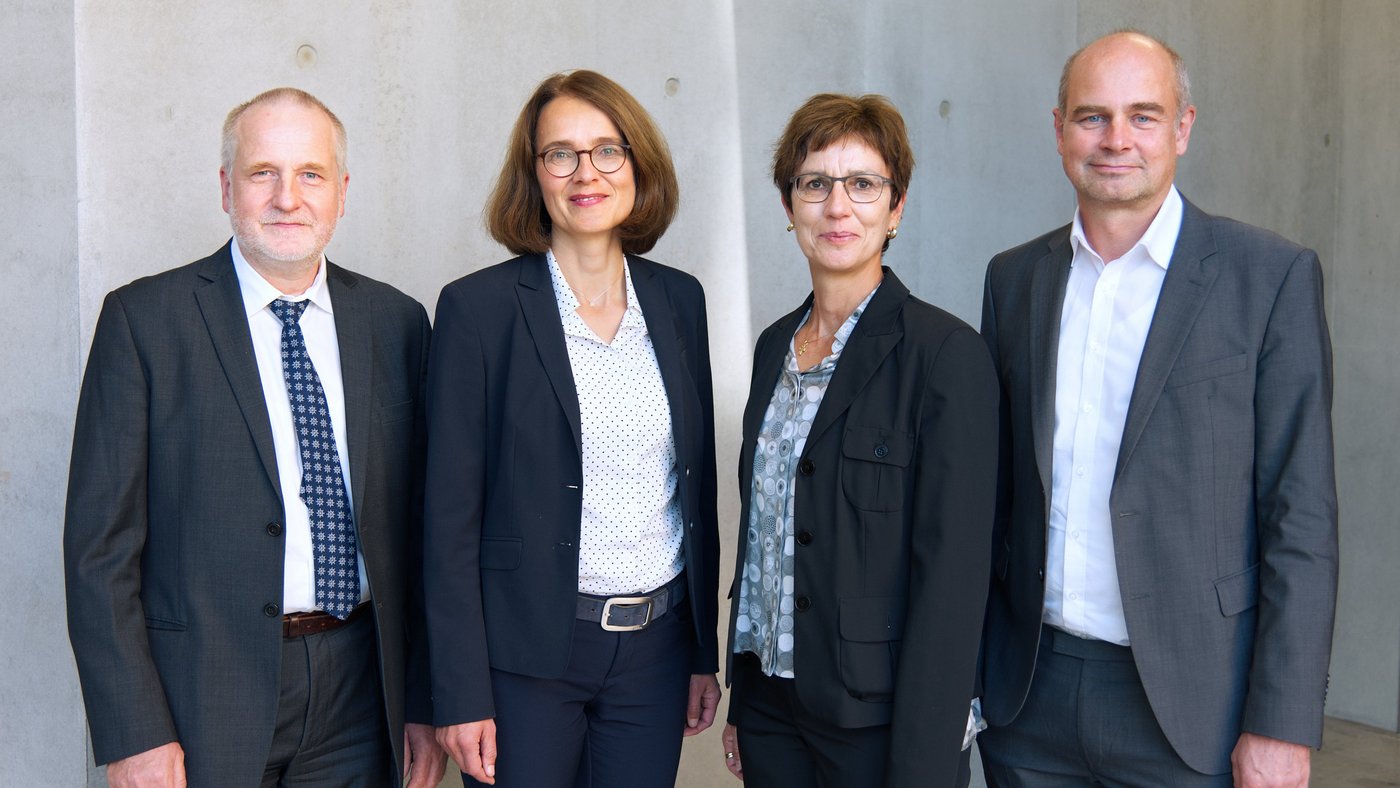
(802, 348)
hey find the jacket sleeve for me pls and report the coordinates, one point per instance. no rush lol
(418, 707)
(454, 499)
(950, 525)
(1296, 511)
(706, 659)
(104, 535)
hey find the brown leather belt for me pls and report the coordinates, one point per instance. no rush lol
(295, 625)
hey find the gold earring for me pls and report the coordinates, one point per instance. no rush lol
(892, 233)
(790, 226)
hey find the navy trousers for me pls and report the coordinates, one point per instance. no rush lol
(1086, 722)
(613, 720)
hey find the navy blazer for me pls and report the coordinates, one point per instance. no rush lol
(893, 512)
(504, 489)
(1224, 504)
(173, 542)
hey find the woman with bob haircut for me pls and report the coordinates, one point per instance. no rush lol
(571, 542)
(866, 479)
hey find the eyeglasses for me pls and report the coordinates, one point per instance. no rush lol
(606, 158)
(861, 187)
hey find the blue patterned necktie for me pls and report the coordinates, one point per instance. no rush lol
(322, 482)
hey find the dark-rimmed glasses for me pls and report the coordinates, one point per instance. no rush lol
(563, 162)
(860, 187)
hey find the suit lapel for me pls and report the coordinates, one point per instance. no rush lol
(875, 335)
(1049, 276)
(666, 343)
(221, 304)
(1188, 281)
(541, 311)
(354, 330)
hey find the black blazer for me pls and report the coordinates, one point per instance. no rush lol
(1224, 503)
(173, 544)
(893, 513)
(505, 475)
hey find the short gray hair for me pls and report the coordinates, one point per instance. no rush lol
(229, 147)
(1183, 80)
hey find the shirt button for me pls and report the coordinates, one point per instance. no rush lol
(803, 603)
(807, 468)
(274, 529)
(1079, 471)
(271, 611)
(804, 538)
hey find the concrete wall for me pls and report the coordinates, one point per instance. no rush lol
(112, 174)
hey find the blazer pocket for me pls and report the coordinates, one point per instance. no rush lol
(1195, 373)
(153, 622)
(398, 411)
(871, 630)
(501, 552)
(1238, 592)
(874, 464)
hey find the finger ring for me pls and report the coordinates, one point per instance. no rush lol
(729, 756)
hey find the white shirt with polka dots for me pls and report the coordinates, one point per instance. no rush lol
(631, 529)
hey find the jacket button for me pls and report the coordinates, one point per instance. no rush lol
(1040, 575)
(881, 451)
(806, 467)
(803, 603)
(271, 611)
(804, 538)
(274, 529)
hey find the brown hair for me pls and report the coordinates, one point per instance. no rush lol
(515, 212)
(229, 144)
(828, 118)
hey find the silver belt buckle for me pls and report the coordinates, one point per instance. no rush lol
(625, 600)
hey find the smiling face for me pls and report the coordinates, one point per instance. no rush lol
(587, 204)
(840, 236)
(1120, 132)
(283, 190)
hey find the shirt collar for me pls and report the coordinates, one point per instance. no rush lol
(1160, 239)
(258, 292)
(838, 341)
(568, 303)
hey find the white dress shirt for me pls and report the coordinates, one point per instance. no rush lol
(318, 330)
(1104, 321)
(631, 529)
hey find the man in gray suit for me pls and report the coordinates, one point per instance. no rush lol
(242, 535)
(1165, 557)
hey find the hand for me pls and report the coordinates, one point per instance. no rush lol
(473, 746)
(704, 701)
(730, 739)
(1262, 762)
(423, 760)
(161, 767)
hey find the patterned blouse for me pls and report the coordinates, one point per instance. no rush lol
(764, 624)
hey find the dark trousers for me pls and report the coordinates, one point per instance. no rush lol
(782, 745)
(613, 720)
(330, 717)
(1086, 722)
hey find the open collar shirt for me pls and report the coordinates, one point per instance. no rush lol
(1104, 321)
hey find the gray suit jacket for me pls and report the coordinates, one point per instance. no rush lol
(173, 543)
(1223, 503)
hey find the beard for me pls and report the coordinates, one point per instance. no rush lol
(261, 243)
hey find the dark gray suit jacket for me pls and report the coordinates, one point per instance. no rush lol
(1223, 504)
(173, 544)
(893, 512)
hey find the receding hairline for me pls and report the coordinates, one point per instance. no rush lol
(1182, 87)
(274, 97)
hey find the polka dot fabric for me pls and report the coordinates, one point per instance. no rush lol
(764, 623)
(631, 529)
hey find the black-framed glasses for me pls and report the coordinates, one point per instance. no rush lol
(563, 162)
(860, 187)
